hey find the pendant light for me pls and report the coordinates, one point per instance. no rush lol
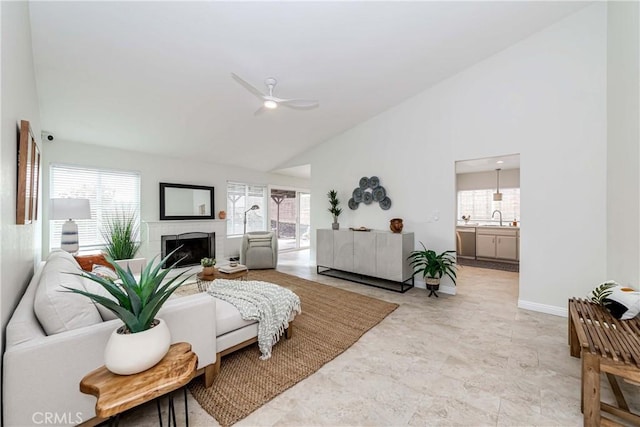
(497, 196)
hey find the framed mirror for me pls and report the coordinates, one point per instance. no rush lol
(183, 201)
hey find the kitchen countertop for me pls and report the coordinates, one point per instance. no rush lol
(504, 227)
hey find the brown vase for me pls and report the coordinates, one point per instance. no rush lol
(208, 271)
(222, 215)
(396, 225)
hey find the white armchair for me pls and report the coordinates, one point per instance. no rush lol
(259, 250)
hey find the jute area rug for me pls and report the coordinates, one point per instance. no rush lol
(332, 320)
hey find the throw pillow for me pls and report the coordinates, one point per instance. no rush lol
(57, 309)
(96, 288)
(623, 303)
(88, 261)
(104, 272)
(602, 291)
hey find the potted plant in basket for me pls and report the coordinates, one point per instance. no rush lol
(208, 266)
(120, 232)
(433, 266)
(334, 209)
(143, 340)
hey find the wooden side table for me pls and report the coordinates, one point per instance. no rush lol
(118, 393)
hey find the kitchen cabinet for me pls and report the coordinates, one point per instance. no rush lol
(497, 243)
(507, 247)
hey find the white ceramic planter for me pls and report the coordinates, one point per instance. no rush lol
(128, 354)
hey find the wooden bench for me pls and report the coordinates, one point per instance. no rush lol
(607, 345)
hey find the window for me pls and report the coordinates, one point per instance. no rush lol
(240, 197)
(480, 205)
(108, 191)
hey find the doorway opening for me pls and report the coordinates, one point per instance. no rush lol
(290, 213)
(488, 214)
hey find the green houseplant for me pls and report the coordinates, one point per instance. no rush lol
(433, 266)
(143, 340)
(208, 266)
(334, 209)
(120, 232)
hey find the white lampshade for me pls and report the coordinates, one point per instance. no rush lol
(69, 209)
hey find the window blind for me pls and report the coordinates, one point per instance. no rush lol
(109, 192)
(240, 197)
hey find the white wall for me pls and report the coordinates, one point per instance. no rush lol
(153, 170)
(20, 248)
(544, 98)
(509, 178)
(20, 244)
(623, 134)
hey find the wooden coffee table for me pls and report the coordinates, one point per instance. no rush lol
(203, 281)
(118, 393)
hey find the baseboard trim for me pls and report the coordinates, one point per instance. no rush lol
(543, 308)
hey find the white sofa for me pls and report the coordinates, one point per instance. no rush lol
(42, 370)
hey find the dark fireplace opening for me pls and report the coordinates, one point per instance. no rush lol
(193, 247)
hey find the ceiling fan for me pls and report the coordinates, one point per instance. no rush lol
(270, 102)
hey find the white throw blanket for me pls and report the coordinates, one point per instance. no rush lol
(271, 305)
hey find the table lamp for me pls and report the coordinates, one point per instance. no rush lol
(69, 209)
(252, 208)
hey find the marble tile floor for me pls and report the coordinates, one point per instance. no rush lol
(473, 359)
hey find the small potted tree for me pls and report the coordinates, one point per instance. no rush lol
(334, 209)
(433, 266)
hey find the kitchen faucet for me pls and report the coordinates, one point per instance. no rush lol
(494, 214)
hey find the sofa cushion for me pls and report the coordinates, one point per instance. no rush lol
(228, 318)
(98, 289)
(58, 310)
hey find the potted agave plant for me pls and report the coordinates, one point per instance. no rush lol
(433, 266)
(143, 340)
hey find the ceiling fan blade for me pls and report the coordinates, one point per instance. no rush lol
(299, 103)
(248, 86)
(260, 111)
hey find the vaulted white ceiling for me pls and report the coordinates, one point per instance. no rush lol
(156, 76)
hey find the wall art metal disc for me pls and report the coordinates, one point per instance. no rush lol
(367, 198)
(353, 205)
(364, 183)
(379, 193)
(385, 204)
(357, 195)
(362, 194)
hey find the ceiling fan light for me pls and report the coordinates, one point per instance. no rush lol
(270, 104)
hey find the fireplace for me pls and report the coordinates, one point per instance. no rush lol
(193, 247)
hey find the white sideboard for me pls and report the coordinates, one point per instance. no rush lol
(375, 254)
